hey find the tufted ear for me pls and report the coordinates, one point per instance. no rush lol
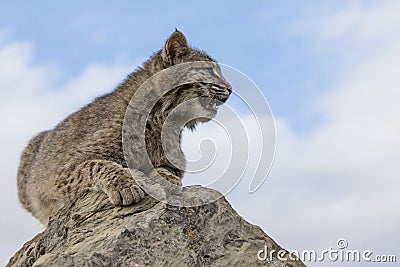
(175, 47)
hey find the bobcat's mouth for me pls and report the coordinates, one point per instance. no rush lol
(210, 104)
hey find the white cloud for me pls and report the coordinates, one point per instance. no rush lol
(31, 102)
(350, 21)
(341, 179)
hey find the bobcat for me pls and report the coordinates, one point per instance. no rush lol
(85, 151)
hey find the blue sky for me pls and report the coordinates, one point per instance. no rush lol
(329, 70)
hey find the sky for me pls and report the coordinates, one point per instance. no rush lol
(328, 69)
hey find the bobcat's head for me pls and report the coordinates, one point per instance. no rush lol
(204, 95)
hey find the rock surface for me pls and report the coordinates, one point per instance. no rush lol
(91, 232)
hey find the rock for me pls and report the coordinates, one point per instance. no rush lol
(91, 232)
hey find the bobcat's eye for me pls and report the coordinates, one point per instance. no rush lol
(213, 73)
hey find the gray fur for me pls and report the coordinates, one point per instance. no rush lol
(84, 151)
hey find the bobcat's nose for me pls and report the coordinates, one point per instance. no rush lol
(229, 88)
(227, 93)
(222, 97)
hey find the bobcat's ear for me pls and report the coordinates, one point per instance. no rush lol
(175, 47)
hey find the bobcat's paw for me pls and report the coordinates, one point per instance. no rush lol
(122, 189)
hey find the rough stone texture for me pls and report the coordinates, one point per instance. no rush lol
(91, 232)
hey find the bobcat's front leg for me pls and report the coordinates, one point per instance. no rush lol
(170, 176)
(113, 179)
